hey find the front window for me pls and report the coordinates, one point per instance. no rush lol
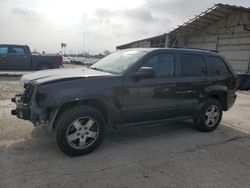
(163, 65)
(119, 61)
(3, 50)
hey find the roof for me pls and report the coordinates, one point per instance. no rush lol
(173, 49)
(208, 17)
(150, 38)
(13, 45)
(139, 49)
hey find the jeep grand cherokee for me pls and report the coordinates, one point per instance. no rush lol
(128, 86)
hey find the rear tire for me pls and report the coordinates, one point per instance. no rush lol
(44, 66)
(79, 130)
(209, 117)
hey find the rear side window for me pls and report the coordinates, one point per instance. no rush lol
(16, 50)
(19, 50)
(217, 66)
(192, 65)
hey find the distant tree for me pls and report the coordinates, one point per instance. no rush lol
(35, 51)
(86, 54)
(63, 46)
(106, 52)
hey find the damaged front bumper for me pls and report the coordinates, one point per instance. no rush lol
(29, 111)
(22, 110)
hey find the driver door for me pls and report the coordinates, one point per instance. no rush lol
(151, 98)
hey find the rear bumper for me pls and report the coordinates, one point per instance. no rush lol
(231, 100)
(22, 110)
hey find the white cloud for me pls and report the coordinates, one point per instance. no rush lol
(45, 24)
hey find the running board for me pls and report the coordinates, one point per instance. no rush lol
(144, 123)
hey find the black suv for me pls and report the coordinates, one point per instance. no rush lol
(128, 86)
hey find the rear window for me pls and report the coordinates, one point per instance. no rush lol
(192, 65)
(16, 50)
(19, 50)
(217, 66)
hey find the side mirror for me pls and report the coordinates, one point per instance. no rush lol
(144, 72)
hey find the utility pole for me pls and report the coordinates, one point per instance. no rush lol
(83, 41)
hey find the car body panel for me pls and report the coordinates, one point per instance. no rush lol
(125, 98)
(44, 76)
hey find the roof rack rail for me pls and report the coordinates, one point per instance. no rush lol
(198, 49)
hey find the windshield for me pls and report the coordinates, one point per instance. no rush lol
(119, 61)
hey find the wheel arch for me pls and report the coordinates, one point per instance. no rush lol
(221, 97)
(218, 92)
(88, 102)
(43, 62)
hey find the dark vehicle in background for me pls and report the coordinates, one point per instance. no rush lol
(127, 87)
(19, 57)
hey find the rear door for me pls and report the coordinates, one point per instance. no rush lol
(17, 58)
(191, 83)
(151, 98)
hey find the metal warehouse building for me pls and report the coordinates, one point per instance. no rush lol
(224, 28)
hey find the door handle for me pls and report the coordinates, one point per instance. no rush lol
(168, 85)
(165, 85)
(187, 91)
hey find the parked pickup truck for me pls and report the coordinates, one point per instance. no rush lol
(19, 57)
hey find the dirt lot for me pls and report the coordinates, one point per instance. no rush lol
(165, 155)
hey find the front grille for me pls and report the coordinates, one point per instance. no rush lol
(27, 94)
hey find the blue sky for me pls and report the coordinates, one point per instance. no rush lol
(45, 24)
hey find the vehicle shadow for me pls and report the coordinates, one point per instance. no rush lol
(151, 136)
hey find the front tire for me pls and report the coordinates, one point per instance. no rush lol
(79, 130)
(210, 116)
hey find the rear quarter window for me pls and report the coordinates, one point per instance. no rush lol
(192, 65)
(217, 66)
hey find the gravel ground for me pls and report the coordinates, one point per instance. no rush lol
(172, 154)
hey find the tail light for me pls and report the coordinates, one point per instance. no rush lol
(234, 84)
(61, 61)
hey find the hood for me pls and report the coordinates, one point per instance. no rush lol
(45, 76)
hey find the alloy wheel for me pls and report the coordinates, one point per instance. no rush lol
(82, 132)
(212, 115)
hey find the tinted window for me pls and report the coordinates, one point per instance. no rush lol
(19, 50)
(162, 64)
(118, 61)
(16, 50)
(192, 65)
(3, 50)
(217, 66)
